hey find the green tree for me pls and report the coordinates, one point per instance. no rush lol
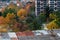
(33, 22)
(9, 11)
(47, 12)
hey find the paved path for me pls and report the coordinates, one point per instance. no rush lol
(38, 38)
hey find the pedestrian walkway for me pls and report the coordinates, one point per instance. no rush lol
(30, 35)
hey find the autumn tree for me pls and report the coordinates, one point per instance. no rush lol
(52, 25)
(3, 26)
(22, 13)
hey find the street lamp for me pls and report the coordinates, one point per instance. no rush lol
(18, 4)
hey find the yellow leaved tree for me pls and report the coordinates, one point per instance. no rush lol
(52, 25)
(52, 16)
(3, 26)
(10, 15)
(22, 13)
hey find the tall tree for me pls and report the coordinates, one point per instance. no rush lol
(47, 12)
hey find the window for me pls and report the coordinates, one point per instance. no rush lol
(55, 3)
(51, 4)
(43, 0)
(52, 0)
(58, 3)
(41, 11)
(55, 8)
(38, 3)
(51, 7)
(38, 12)
(44, 6)
(58, 0)
(41, 4)
(38, 0)
(41, 7)
(38, 9)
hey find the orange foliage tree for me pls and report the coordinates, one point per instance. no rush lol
(3, 25)
(22, 13)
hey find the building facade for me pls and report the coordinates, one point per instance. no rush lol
(55, 4)
(40, 5)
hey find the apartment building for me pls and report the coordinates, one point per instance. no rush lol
(55, 4)
(40, 5)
